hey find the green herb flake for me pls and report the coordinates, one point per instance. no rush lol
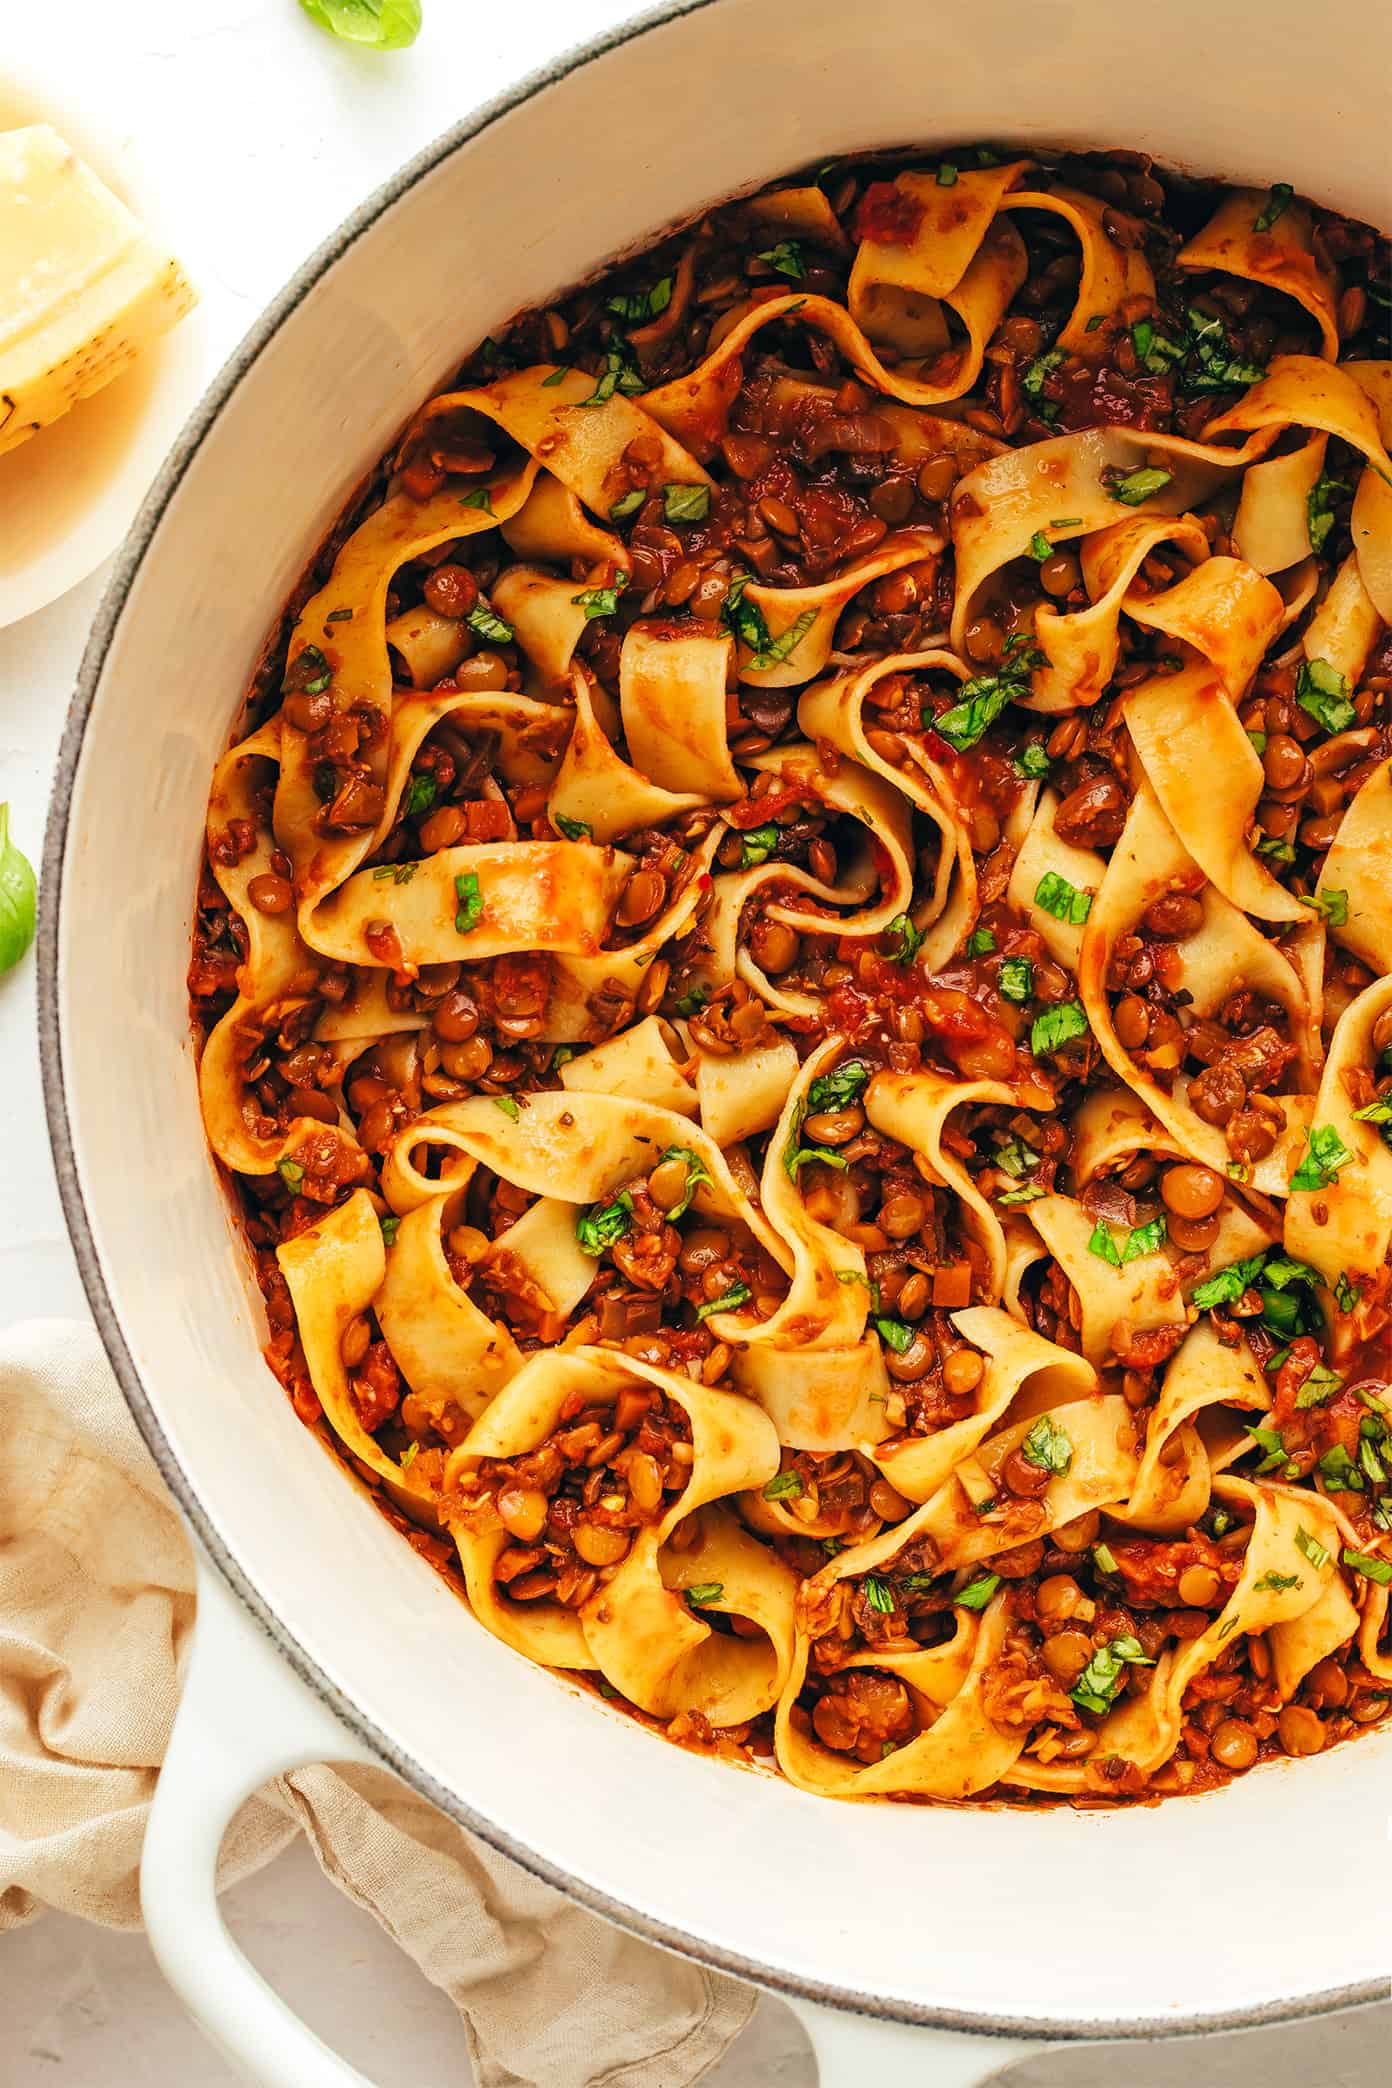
(1372, 1568)
(1322, 691)
(879, 1595)
(1032, 382)
(981, 700)
(1318, 1387)
(1278, 202)
(558, 376)
(309, 670)
(470, 903)
(906, 939)
(19, 898)
(390, 1227)
(839, 1088)
(379, 25)
(692, 1001)
(1331, 906)
(1016, 980)
(1275, 1583)
(481, 497)
(895, 1335)
(1133, 487)
(420, 796)
(509, 1105)
(774, 651)
(980, 943)
(1314, 1551)
(697, 1177)
(1103, 1245)
(600, 601)
(1056, 1027)
(705, 1593)
(1339, 1472)
(1033, 763)
(686, 503)
(1319, 508)
(489, 625)
(1097, 1687)
(1144, 1239)
(398, 873)
(1228, 1285)
(1345, 1296)
(1104, 1559)
(339, 616)
(757, 845)
(1039, 547)
(571, 829)
(1048, 1445)
(619, 375)
(629, 505)
(1325, 1154)
(786, 259)
(784, 1486)
(291, 1173)
(603, 1224)
(639, 305)
(1275, 850)
(947, 175)
(978, 1593)
(1029, 1193)
(1062, 899)
(737, 1295)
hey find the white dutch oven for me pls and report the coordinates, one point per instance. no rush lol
(1237, 1908)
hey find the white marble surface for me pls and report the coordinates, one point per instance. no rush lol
(264, 134)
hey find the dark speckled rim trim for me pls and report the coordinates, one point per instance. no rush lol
(104, 1312)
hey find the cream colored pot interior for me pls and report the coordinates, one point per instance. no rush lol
(1254, 1899)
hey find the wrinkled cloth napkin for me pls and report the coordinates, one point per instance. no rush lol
(96, 1608)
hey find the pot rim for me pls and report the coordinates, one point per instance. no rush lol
(128, 564)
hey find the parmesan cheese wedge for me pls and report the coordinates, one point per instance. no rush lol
(84, 290)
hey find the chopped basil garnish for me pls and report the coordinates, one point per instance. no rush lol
(1322, 691)
(1132, 487)
(1325, 1154)
(686, 503)
(399, 873)
(571, 829)
(757, 845)
(696, 1178)
(1318, 1386)
(774, 651)
(470, 903)
(557, 376)
(1039, 547)
(692, 1001)
(309, 670)
(291, 1173)
(800, 1156)
(1275, 1583)
(618, 375)
(1275, 850)
(947, 175)
(1141, 1240)
(1331, 906)
(1104, 1558)
(637, 305)
(1097, 1687)
(786, 258)
(1016, 979)
(982, 699)
(738, 1294)
(1315, 1552)
(1062, 899)
(489, 625)
(978, 1593)
(390, 1227)
(1056, 1027)
(1319, 508)
(1210, 362)
(1372, 1568)
(1278, 202)
(1028, 1194)
(1339, 1472)
(1156, 352)
(980, 943)
(839, 1088)
(878, 1594)
(1273, 1443)
(509, 1105)
(907, 939)
(602, 1224)
(1227, 1285)
(601, 601)
(1048, 1445)
(895, 1335)
(1345, 1296)
(704, 1593)
(784, 1486)
(629, 505)
(481, 498)
(1032, 381)
(420, 796)
(1033, 762)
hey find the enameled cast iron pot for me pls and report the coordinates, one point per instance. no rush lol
(338, 1642)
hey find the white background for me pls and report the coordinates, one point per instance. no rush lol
(263, 133)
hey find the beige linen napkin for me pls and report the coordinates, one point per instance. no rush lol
(96, 1607)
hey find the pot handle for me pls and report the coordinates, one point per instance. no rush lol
(853, 2049)
(244, 1717)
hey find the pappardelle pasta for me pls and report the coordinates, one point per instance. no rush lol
(795, 973)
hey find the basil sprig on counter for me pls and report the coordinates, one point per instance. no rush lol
(382, 25)
(18, 898)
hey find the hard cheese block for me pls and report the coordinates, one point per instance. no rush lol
(83, 288)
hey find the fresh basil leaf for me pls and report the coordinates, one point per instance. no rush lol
(1331, 906)
(784, 1486)
(981, 942)
(571, 829)
(1033, 762)
(786, 258)
(1133, 487)
(1016, 979)
(1062, 899)
(839, 1088)
(738, 1294)
(1325, 1154)
(686, 503)
(383, 25)
(907, 940)
(1323, 692)
(981, 700)
(696, 1178)
(757, 844)
(603, 1224)
(1097, 1687)
(489, 625)
(1372, 1568)
(629, 505)
(1319, 508)
(895, 1335)
(978, 1593)
(19, 898)
(1278, 202)
(638, 305)
(1314, 1551)
(420, 796)
(1056, 1027)
(601, 601)
(1048, 1445)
